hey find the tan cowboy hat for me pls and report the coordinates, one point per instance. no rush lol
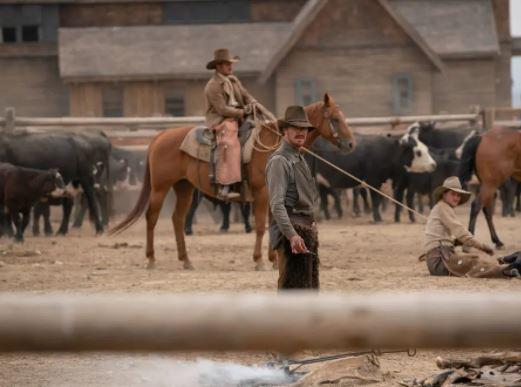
(295, 116)
(221, 55)
(453, 184)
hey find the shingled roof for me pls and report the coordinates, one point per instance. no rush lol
(163, 52)
(441, 29)
(453, 28)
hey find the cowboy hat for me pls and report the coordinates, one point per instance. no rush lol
(295, 116)
(221, 55)
(453, 184)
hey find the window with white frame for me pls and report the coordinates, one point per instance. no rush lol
(305, 91)
(402, 93)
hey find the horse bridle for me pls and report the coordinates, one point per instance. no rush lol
(332, 126)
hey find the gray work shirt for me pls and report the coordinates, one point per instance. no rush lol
(290, 185)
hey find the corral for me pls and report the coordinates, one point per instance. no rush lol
(357, 257)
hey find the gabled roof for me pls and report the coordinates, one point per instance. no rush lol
(440, 29)
(453, 28)
(162, 52)
(306, 15)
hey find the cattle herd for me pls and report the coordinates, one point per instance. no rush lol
(56, 168)
(38, 170)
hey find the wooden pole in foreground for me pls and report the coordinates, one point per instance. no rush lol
(254, 322)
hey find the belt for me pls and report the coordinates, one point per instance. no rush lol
(297, 217)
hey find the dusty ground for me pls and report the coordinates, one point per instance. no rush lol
(357, 256)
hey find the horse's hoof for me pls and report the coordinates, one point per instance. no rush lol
(260, 266)
(151, 265)
(187, 265)
(500, 246)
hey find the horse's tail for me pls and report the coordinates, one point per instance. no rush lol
(468, 159)
(139, 207)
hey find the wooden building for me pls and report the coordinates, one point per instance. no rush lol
(141, 58)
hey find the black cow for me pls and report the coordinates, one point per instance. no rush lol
(73, 155)
(440, 138)
(325, 191)
(20, 188)
(119, 172)
(136, 161)
(375, 160)
(127, 166)
(445, 146)
(424, 183)
(225, 209)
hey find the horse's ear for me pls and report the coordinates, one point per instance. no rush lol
(327, 99)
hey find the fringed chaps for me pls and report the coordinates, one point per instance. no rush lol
(300, 271)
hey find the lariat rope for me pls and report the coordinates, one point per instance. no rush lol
(335, 167)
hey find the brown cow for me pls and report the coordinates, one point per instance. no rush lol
(20, 188)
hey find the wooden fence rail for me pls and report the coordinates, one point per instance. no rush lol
(10, 121)
(258, 322)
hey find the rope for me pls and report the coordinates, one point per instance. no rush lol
(362, 182)
(258, 126)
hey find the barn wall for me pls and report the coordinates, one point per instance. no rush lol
(32, 86)
(275, 10)
(86, 100)
(465, 83)
(502, 18)
(141, 99)
(353, 49)
(504, 76)
(106, 15)
(194, 95)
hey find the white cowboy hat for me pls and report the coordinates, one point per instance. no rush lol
(451, 183)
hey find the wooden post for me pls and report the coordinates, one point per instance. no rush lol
(258, 322)
(489, 118)
(9, 119)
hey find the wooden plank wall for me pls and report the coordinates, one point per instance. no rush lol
(142, 99)
(32, 86)
(353, 49)
(85, 100)
(107, 15)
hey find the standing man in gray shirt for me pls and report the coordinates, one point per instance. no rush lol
(292, 196)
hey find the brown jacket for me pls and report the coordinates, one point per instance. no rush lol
(217, 100)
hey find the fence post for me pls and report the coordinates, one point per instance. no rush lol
(489, 118)
(9, 119)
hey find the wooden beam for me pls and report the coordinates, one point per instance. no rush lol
(284, 322)
(162, 122)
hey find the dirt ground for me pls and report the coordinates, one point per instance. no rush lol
(357, 257)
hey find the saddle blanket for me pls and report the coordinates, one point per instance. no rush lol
(198, 144)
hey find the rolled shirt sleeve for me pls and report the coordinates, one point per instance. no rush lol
(277, 178)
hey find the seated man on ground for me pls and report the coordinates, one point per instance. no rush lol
(443, 231)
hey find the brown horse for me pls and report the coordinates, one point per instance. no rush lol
(495, 156)
(169, 167)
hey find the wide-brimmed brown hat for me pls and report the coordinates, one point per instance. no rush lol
(453, 184)
(221, 55)
(295, 116)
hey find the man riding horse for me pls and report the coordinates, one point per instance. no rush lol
(228, 104)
